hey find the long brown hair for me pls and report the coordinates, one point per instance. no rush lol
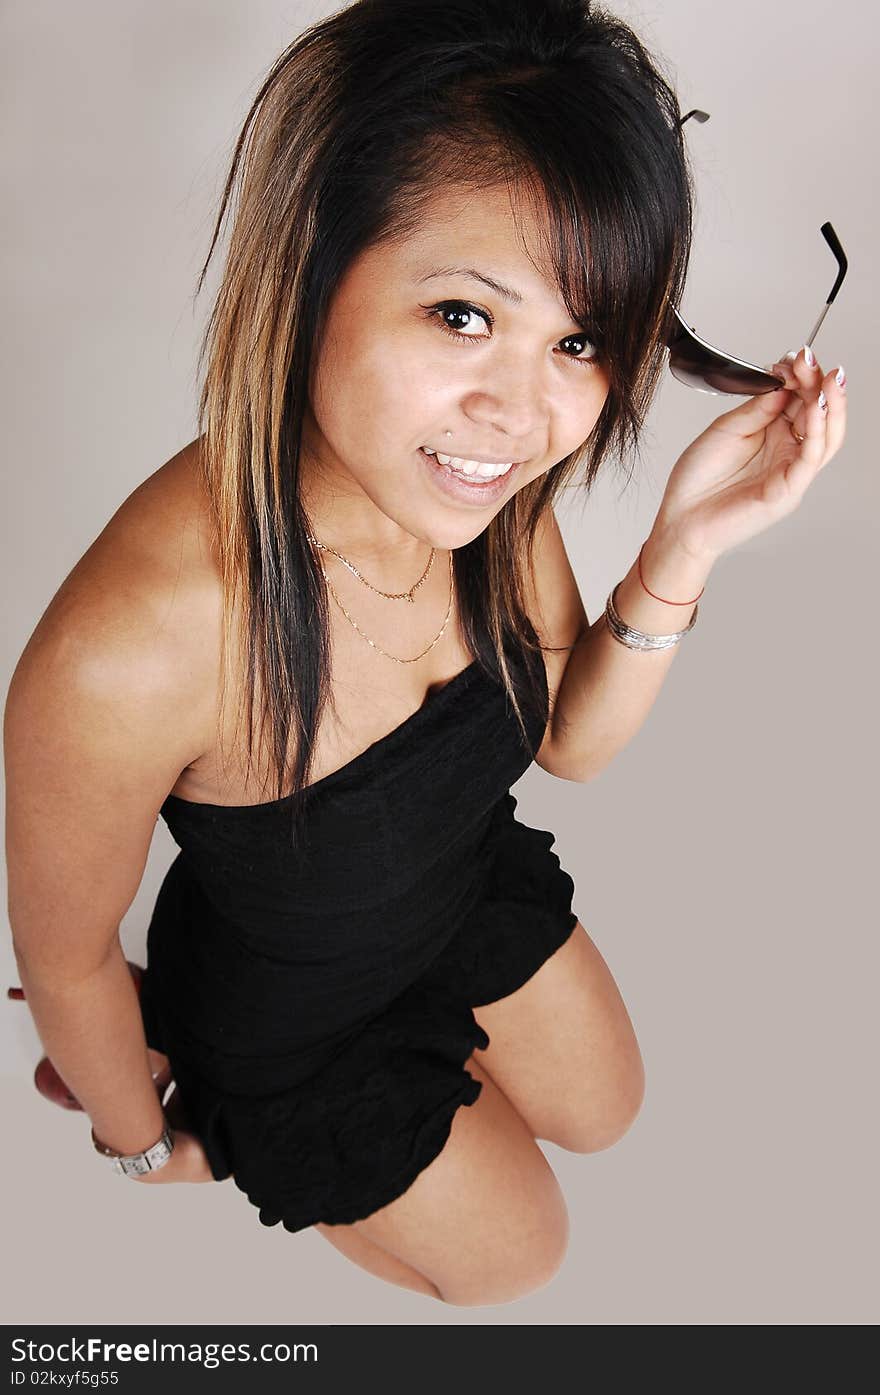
(359, 121)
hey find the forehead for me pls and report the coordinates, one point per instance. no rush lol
(499, 231)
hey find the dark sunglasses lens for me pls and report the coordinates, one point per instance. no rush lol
(714, 373)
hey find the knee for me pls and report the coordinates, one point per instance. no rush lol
(604, 1127)
(508, 1275)
(520, 1283)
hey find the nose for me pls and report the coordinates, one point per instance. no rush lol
(511, 407)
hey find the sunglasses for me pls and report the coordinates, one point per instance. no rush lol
(700, 365)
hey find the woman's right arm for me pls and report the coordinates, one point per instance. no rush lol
(99, 721)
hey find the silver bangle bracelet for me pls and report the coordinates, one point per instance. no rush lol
(637, 639)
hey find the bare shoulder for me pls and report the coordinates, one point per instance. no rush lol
(142, 607)
(154, 560)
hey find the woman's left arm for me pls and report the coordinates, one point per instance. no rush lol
(744, 473)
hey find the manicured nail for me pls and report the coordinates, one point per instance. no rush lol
(809, 357)
(823, 402)
(840, 377)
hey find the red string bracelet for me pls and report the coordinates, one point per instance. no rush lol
(651, 593)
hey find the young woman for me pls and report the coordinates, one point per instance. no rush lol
(324, 640)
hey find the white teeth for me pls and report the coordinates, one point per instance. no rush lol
(469, 467)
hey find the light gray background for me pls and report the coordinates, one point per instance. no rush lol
(725, 863)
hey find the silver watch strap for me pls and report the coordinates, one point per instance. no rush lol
(134, 1164)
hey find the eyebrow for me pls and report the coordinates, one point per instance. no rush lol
(506, 292)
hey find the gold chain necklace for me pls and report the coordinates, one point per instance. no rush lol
(399, 595)
(390, 595)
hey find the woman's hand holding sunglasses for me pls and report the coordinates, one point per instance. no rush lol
(747, 471)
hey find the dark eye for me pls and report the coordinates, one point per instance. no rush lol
(458, 309)
(462, 310)
(581, 339)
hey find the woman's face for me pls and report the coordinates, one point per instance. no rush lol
(520, 384)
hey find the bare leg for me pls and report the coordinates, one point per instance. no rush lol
(375, 1260)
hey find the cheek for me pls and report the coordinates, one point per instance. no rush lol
(585, 412)
(574, 417)
(368, 385)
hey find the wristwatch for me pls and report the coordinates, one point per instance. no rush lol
(133, 1164)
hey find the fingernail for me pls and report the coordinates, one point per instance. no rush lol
(809, 357)
(823, 402)
(840, 377)
(790, 356)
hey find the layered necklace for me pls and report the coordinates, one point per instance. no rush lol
(388, 595)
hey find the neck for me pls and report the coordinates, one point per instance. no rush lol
(342, 516)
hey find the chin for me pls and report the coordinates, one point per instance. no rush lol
(443, 533)
(448, 537)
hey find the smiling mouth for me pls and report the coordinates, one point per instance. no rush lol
(471, 469)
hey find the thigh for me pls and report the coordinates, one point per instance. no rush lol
(563, 1049)
(486, 1221)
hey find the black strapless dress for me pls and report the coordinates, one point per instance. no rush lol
(316, 1007)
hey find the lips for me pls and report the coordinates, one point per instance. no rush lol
(466, 489)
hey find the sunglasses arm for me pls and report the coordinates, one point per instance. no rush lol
(833, 241)
(815, 330)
